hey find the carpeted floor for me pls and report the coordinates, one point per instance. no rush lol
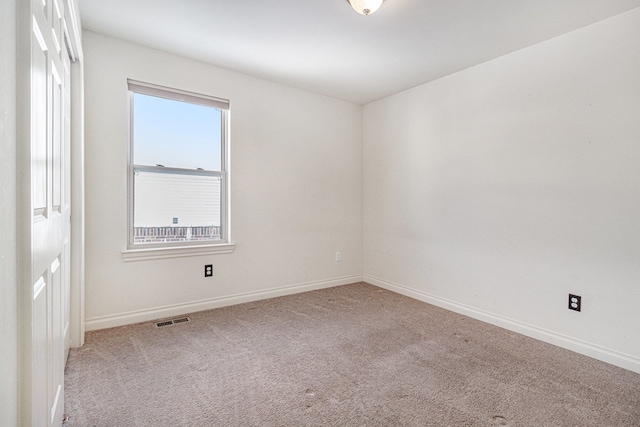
(354, 355)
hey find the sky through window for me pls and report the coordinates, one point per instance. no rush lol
(176, 134)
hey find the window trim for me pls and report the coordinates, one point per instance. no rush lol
(142, 251)
(142, 254)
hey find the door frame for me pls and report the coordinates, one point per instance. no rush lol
(77, 174)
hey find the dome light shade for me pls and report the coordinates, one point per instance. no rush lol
(365, 7)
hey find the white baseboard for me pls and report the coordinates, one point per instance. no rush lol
(137, 316)
(597, 352)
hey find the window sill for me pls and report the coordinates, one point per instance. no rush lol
(176, 252)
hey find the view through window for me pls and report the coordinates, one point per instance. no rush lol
(178, 144)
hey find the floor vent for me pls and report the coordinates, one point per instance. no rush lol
(172, 322)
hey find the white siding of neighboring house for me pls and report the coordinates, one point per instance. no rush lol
(160, 197)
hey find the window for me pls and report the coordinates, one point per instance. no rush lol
(178, 177)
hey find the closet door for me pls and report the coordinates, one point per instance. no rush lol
(49, 223)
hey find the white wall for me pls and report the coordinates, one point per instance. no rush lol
(8, 194)
(498, 190)
(296, 189)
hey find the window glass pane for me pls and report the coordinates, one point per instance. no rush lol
(176, 207)
(176, 134)
(178, 171)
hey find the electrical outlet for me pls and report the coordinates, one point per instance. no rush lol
(338, 258)
(575, 302)
(208, 270)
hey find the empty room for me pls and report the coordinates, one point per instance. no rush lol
(320, 213)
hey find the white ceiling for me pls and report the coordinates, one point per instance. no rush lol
(326, 47)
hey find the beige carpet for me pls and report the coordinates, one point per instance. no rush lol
(353, 355)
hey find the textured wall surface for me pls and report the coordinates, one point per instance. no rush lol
(296, 185)
(502, 188)
(8, 260)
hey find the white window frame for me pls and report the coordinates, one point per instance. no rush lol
(144, 251)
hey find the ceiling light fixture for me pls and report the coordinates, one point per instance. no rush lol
(365, 7)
